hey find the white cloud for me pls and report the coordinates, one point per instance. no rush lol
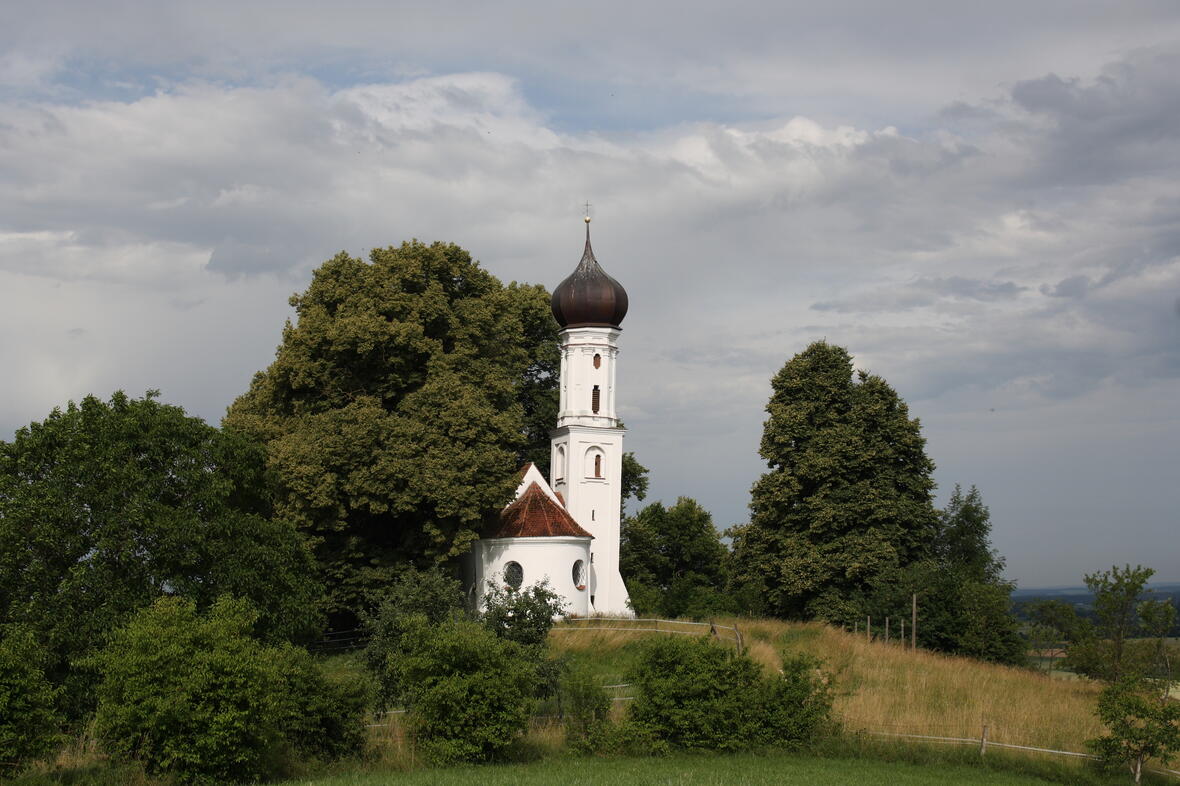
(151, 242)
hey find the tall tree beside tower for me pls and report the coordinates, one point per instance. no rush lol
(848, 498)
(398, 407)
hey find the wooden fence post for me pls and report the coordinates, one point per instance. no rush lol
(914, 622)
(868, 628)
(886, 630)
(983, 741)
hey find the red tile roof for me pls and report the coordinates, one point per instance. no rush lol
(534, 514)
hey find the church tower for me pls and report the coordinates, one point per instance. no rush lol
(586, 462)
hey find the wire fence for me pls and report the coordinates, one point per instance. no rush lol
(653, 625)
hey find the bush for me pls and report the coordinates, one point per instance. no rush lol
(797, 703)
(524, 616)
(414, 599)
(28, 722)
(196, 696)
(470, 694)
(696, 694)
(584, 707)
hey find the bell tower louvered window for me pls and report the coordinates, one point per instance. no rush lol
(595, 399)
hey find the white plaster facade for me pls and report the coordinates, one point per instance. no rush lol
(551, 559)
(563, 561)
(586, 459)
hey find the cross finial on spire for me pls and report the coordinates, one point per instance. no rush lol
(586, 217)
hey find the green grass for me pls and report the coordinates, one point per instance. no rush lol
(731, 770)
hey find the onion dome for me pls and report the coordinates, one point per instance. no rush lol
(535, 515)
(589, 297)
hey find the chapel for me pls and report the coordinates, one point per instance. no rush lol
(566, 528)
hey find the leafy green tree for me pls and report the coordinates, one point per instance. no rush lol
(962, 541)
(469, 692)
(634, 480)
(847, 500)
(29, 724)
(1108, 654)
(673, 561)
(197, 696)
(398, 407)
(109, 505)
(1140, 726)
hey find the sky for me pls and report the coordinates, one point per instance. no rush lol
(981, 202)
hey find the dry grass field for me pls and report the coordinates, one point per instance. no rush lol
(887, 688)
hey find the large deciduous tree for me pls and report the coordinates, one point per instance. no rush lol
(674, 561)
(398, 407)
(106, 506)
(847, 500)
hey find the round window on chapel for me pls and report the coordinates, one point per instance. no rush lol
(513, 575)
(580, 575)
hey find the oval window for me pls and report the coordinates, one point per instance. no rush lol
(580, 575)
(513, 575)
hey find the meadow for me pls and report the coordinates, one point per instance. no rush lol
(889, 689)
(881, 690)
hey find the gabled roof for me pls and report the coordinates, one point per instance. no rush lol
(535, 514)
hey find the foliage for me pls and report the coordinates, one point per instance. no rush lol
(398, 407)
(1139, 725)
(524, 616)
(415, 598)
(1106, 652)
(695, 694)
(847, 499)
(469, 692)
(634, 480)
(962, 541)
(108, 505)
(673, 559)
(964, 604)
(197, 696)
(585, 706)
(29, 725)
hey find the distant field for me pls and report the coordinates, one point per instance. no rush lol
(735, 770)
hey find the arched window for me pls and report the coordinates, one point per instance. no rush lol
(598, 361)
(559, 464)
(593, 463)
(594, 399)
(579, 575)
(513, 575)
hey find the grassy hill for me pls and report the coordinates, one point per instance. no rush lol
(887, 689)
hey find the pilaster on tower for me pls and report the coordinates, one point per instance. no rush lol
(587, 445)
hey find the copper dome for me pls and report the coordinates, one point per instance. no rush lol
(589, 297)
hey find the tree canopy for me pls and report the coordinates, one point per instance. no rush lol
(398, 407)
(106, 506)
(847, 500)
(673, 560)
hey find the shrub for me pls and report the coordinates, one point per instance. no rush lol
(196, 696)
(469, 693)
(797, 703)
(584, 707)
(415, 598)
(525, 615)
(28, 722)
(696, 694)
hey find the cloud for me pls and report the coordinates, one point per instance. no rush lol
(1017, 252)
